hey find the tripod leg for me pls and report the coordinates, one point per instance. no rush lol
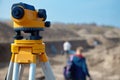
(10, 71)
(21, 69)
(47, 71)
(16, 71)
(32, 71)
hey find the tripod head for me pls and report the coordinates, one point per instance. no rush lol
(28, 20)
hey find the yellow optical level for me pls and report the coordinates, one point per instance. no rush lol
(25, 16)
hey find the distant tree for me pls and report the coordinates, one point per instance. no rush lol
(93, 24)
(108, 26)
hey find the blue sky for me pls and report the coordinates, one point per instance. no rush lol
(106, 12)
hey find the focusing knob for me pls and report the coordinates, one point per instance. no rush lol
(42, 14)
(47, 24)
(17, 12)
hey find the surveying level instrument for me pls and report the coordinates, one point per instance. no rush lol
(27, 50)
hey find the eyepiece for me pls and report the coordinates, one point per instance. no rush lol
(42, 14)
(17, 12)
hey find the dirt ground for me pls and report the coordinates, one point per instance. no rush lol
(99, 64)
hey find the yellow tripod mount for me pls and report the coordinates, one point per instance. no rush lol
(26, 51)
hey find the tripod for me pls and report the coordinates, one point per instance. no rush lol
(27, 51)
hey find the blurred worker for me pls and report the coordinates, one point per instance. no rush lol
(53, 49)
(77, 68)
(95, 43)
(66, 47)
